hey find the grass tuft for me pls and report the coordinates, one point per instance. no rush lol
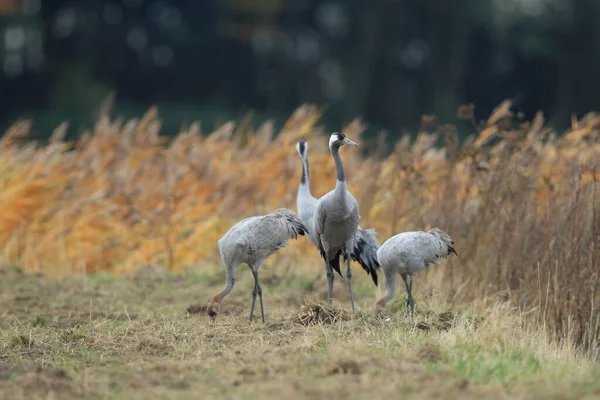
(21, 342)
(38, 322)
(313, 313)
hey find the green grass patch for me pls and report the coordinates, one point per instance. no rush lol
(476, 362)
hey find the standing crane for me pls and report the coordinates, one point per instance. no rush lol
(305, 202)
(335, 222)
(408, 253)
(365, 241)
(250, 241)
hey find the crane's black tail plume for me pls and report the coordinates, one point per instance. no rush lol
(334, 262)
(365, 252)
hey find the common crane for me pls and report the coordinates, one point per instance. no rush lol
(365, 241)
(408, 253)
(335, 222)
(250, 241)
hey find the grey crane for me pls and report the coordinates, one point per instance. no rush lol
(335, 222)
(365, 246)
(250, 241)
(408, 253)
(305, 202)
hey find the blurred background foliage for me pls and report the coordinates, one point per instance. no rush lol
(385, 61)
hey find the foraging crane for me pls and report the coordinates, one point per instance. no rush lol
(365, 241)
(408, 253)
(250, 241)
(335, 222)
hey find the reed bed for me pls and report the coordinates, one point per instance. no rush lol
(521, 201)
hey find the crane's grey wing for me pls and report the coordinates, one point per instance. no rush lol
(364, 251)
(272, 232)
(421, 247)
(290, 222)
(318, 225)
(237, 237)
(319, 221)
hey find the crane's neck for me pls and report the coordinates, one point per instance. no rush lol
(340, 185)
(304, 179)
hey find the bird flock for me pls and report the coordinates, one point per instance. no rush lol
(331, 224)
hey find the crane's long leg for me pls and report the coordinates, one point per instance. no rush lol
(329, 272)
(215, 301)
(410, 302)
(253, 301)
(349, 276)
(262, 310)
(390, 284)
(257, 291)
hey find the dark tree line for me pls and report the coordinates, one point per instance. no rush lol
(388, 61)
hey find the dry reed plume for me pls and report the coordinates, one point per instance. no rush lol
(521, 201)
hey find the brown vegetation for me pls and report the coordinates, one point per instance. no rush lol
(521, 201)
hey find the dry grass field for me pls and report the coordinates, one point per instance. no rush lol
(148, 336)
(114, 242)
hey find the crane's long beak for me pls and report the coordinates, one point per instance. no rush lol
(451, 248)
(350, 142)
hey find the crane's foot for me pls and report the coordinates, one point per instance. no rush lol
(380, 307)
(211, 308)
